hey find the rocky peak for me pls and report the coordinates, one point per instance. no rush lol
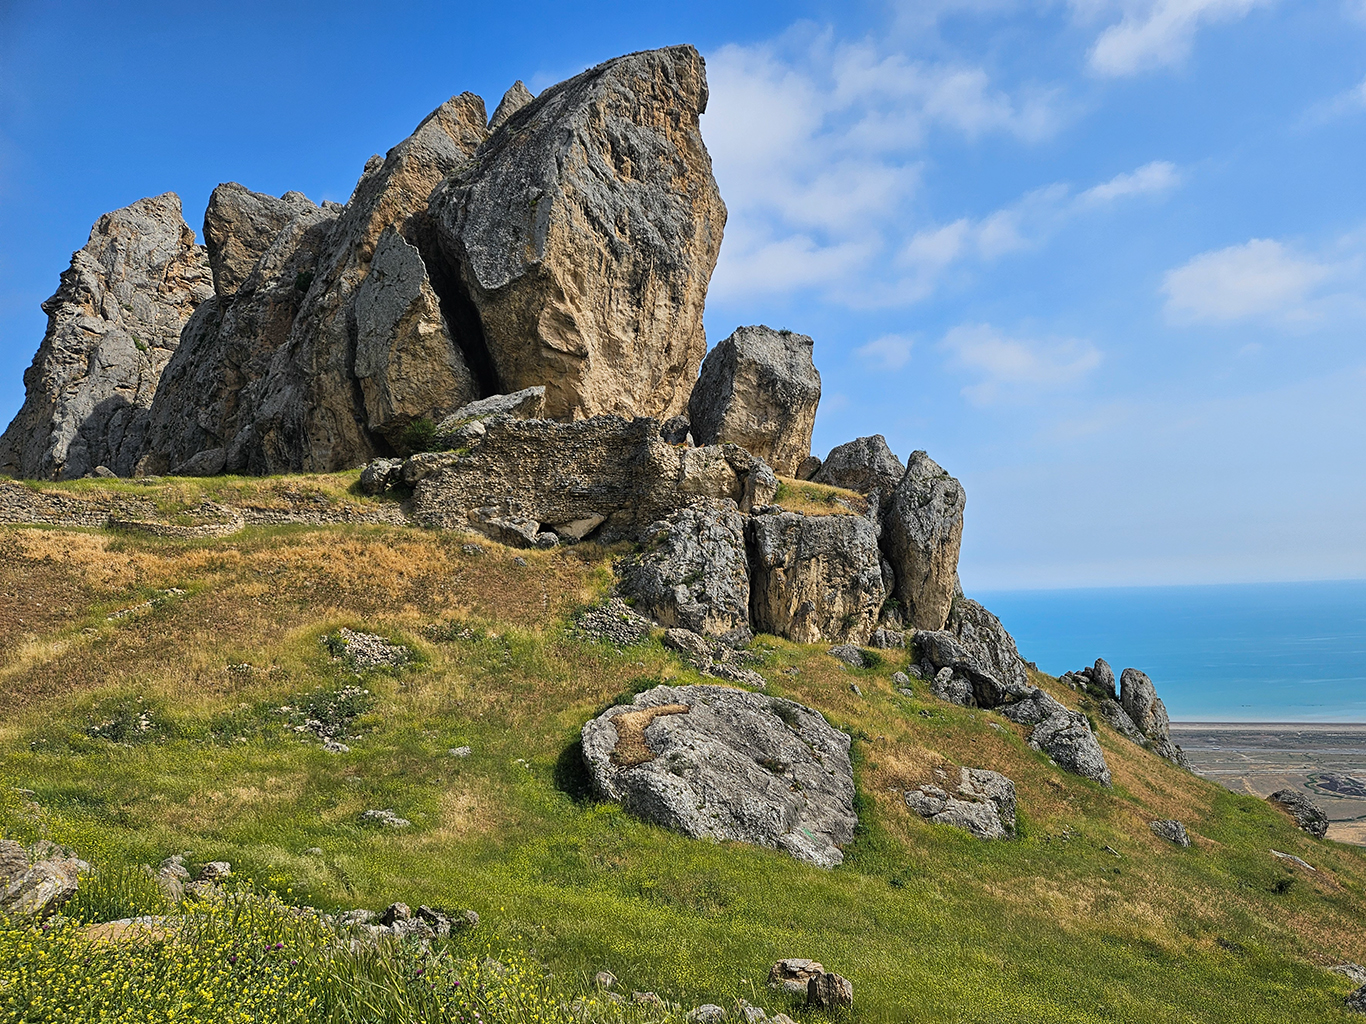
(240, 225)
(513, 100)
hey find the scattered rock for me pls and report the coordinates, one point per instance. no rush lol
(707, 1013)
(214, 871)
(901, 679)
(381, 474)
(986, 641)
(923, 529)
(718, 763)
(984, 807)
(385, 817)
(460, 751)
(808, 468)
(830, 991)
(849, 654)
(1292, 859)
(1306, 813)
(607, 170)
(814, 578)
(604, 980)
(615, 622)
(693, 573)
(759, 389)
(1066, 737)
(969, 681)
(1354, 973)
(793, 975)
(112, 325)
(366, 650)
(1172, 831)
(1357, 1000)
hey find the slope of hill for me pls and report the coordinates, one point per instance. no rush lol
(150, 694)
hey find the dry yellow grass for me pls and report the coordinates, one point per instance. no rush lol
(818, 499)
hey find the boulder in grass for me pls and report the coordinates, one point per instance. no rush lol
(1306, 813)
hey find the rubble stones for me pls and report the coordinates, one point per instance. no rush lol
(615, 622)
(718, 763)
(814, 578)
(759, 389)
(386, 817)
(381, 474)
(1306, 813)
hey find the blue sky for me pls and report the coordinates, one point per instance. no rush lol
(1104, 259)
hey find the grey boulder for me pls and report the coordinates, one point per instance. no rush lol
(814, 578)
(864, 465)
(984, 804)
(759, 389)
(1145, 709)
(717, 763)
(987, 642)
(1306, 813)
(1172, 831)
(922, 533)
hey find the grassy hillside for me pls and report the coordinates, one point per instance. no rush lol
(1085, 917)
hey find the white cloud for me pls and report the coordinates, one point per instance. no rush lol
(1017, 367)
(1261, 277)
(1157, 33)
(1158, 176)
(1351, 101)
(890, 352)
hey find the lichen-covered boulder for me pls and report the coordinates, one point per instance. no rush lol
(1306, 813)
(814, 578)
(984, 804)
(759, 389)
(923, 530)
(1064, 735)
(1172, 831)
(693, 573)
(985, 640)
(1138, 697)
(112, 326)
(585, 233)
(717, 763)
(982, 684)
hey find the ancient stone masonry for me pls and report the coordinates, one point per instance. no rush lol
(585, 233)
(112, 325)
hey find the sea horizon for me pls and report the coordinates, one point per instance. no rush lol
(1232, 653)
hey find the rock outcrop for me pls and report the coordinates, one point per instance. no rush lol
(984, 804)
(759, 389)
(208, 389)
(112, 326)
(307, 416)
(717, 763)
(922, 531)
(987, 642)
(865, 465)
(36, 883)
(1172, 831)
(517, 97)
(1064, 735)
(693, 572)
(1138, 697)
(585, 233)
(814, 578)
(1306, 813)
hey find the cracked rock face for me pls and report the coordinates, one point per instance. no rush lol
(814, 578)
(923, 530)
(585, 233)
(759, 389)
(112, 326)
(865, 464)
(717, 763)
(984, 804)
(1139, 700)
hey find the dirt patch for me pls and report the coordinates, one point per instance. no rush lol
(631, 749)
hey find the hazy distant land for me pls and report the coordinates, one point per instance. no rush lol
(1327, 761)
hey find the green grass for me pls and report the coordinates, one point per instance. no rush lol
(929, 924)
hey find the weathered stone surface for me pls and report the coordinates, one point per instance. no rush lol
(207, 391)
(408, 366)
(1103, 677)
(13, 861)
(1354, 973)
(864, 465)
(830, 991)
(808, 467)
(849, 654)
(239, 226)
(984, 806)
(1172, 831)
(814, 578)
(759, 389)
(1145, 709)
(1356, 1001)
(36, 882)
(307, 415)
(1306, 813)
(676, 430)
(1120, 721)
(922, 532)
(981, 684)
(112, 325)
(513, 100)
(585, 233)
(793, 974)
(986, 641)
(527, 404)
(1066, 737)
(381, 474)
(718, 763)
(693, 572)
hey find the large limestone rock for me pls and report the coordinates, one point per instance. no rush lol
(815, 578)
(307, 415)
(1307, 814)
(964, 675)
(717, 763)
(987, 642)
(865, 464)
(1138, 697)
(923, 529)
(207, 390)
(37, 884)
(585, 233)
(984, 804)
(112, 326)
(407, 364)
(513, 100)
(1064, 735)
(693, 573)
(759, 389)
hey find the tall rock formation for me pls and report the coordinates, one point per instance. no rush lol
(263, 252)
(113, 324)
(922, 532)
(585, 233)
(308, 415)
(865, 464)
(759, 389)
(513, 100)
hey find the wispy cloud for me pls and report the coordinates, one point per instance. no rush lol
(890, 352)
(1015, 368)
(1155, 33)
(1260, 278)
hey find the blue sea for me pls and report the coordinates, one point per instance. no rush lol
(1267, 652)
